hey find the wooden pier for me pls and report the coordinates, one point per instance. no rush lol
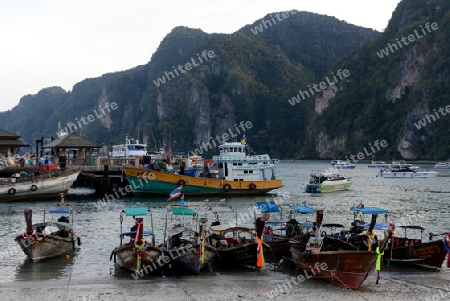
(103, 174)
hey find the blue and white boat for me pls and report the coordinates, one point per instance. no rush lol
(340, 164)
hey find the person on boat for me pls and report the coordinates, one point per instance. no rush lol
(41, 160)
(182, 168)
(379, 255)
(46, 158)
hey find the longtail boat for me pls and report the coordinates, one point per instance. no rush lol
(187, 247)
(280, 235)
(233, 172)
(403, 249)
(238, 245)
(344, 264)
(137, 254)
(337, 261)
(48, 239)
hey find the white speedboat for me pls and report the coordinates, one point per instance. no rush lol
(401, 171)
(131, 148)
(442, 165)
(344, 165)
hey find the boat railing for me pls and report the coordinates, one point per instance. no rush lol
(239, 157)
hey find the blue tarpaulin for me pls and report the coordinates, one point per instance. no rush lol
(369, 210)
(303, 209)
(268, 207)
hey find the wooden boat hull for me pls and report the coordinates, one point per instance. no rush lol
(46, 246)
(346, 269)
(238, 255)
(126, 257)
(429, 255)
(280, 245)
(40, 188)
(151, 182)
(191, 259)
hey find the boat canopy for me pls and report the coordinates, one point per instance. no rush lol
(384, 226)
(136, 210)
(303, 209)
(183, 211)
(268, 207)
(369, 210)
(60, 210)
(179, 230)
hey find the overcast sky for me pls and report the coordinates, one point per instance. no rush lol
(59, 43)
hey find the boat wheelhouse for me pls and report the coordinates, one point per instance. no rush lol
(234, 163)
(131, 148)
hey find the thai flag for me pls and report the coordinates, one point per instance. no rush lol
(206, 201)
(222, 201)
(174, 194)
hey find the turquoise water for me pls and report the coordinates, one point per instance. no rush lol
(424, 202)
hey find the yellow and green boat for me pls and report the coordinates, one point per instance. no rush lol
(233, 172)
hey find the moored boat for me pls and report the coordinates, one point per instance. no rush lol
(237, 245)
(280, 235)
(340, 164)
(403, 249)
(238, 173)
(402, 171)
(27, 187)
(131, 148)
(327, 182)
(187, 247)
(48, 239)
(137, 254)
(346, 267)
(443, 165)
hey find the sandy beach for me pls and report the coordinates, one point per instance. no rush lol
(398, 286)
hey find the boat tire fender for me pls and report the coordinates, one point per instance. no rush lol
(33, 187)
(252, 186)
(182, 183)
(78, 241)
(323, 233)
(11, 191)
(227, 187)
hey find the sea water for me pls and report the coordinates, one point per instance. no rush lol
(424, 202)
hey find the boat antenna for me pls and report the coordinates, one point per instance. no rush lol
(154, 141)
